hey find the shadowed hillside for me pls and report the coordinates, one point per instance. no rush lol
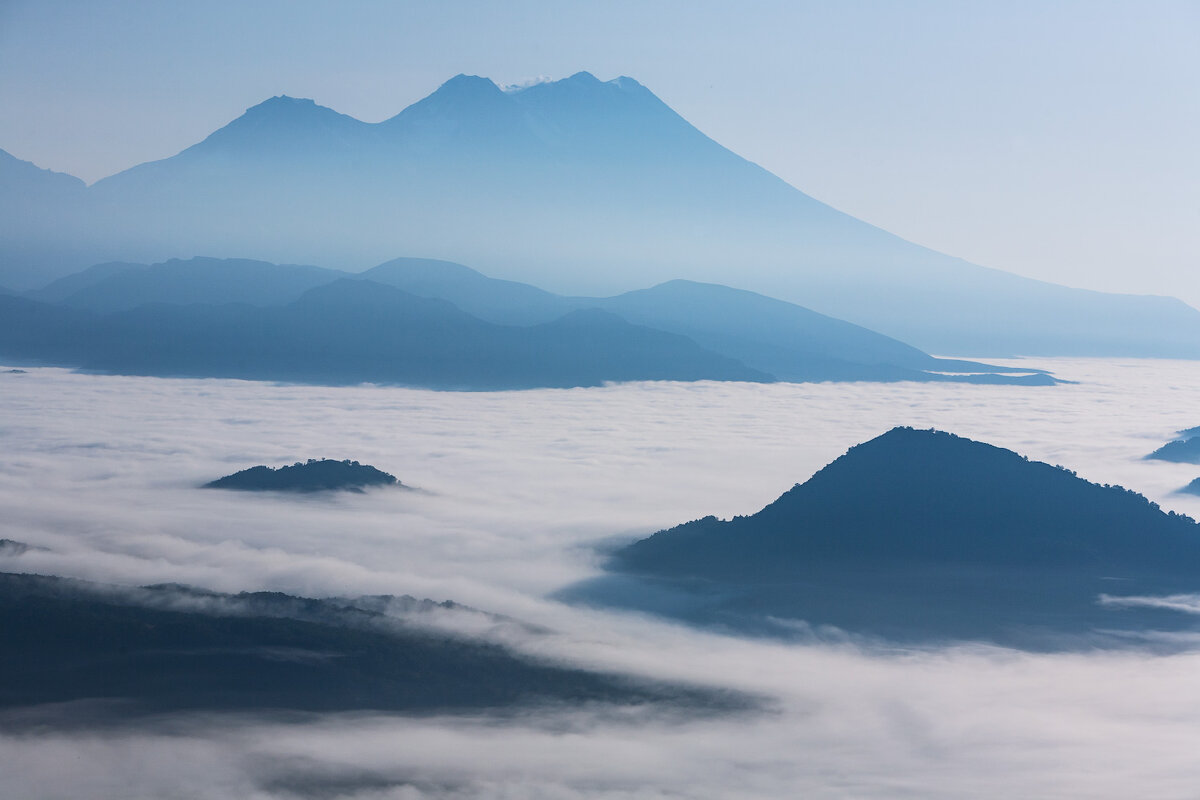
(355, 331)
(1184, 450)
(311, 476)
(923, 534)
(785, 340)
(168, 647)
(775, 338)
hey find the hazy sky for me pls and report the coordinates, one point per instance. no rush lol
(1056, 140)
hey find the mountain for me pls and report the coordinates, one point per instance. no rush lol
(792, 342)
(44, 221)
(781, 339)
(580, 185)
(315, 475)
(788, 341)
(61, 289)
(919, 535)
(122, 286)
(354, 331)
(1183, 451)
(499, 301)
(161, 648)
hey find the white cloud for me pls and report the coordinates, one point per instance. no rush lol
(519, 488)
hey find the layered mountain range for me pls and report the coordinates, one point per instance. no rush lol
(579, 185)
(441, 325)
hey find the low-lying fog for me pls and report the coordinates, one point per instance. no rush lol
(516, 492)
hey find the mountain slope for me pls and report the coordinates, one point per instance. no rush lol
(774, 337)
(164, 648)
(502, 302)
(922, 534)
(353, 331)
(120, 287)
(582, 186)
(315, 475)
(1184, 450)
(788, 341)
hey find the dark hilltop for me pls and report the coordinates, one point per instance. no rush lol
(922, 535)
(312, 476)
(1183, 450)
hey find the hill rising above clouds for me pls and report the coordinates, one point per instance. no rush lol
(580, 185)
(926, 535)
(314, 475)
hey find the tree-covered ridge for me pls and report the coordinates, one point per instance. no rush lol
(159, 648)
(1180, 451)
(933, 496)
(311, 476)
(924, 535)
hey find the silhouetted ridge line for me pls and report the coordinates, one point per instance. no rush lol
(355, 331)
(933, 496)
(311, 476)
(920, 535)
(1185, 450)
(604, 187)
(133, 651)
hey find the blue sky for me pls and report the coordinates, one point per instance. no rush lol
(1056, 140)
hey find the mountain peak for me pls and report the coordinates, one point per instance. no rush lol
(282, 121)
(287, 100)
(927, 495)
(282, 105)
(626, 82)
(13, 168)
(921, 534)
(583, 77)
(468, 85)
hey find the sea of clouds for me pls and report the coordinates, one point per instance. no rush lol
(517, 494)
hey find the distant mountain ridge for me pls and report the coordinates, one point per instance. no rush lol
(122, 286)
(356, 331)
(745, 336)
(580, 185)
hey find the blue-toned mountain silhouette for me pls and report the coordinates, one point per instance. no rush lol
(162, 648)
(769, 339)
(120, 286)
(355, 331)
(923, 535)
(582, 186)
(791, 342)
(314, 475)
(1183, 450)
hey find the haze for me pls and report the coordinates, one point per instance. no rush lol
(1051, 140)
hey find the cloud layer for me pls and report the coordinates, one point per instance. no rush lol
(518, 489)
